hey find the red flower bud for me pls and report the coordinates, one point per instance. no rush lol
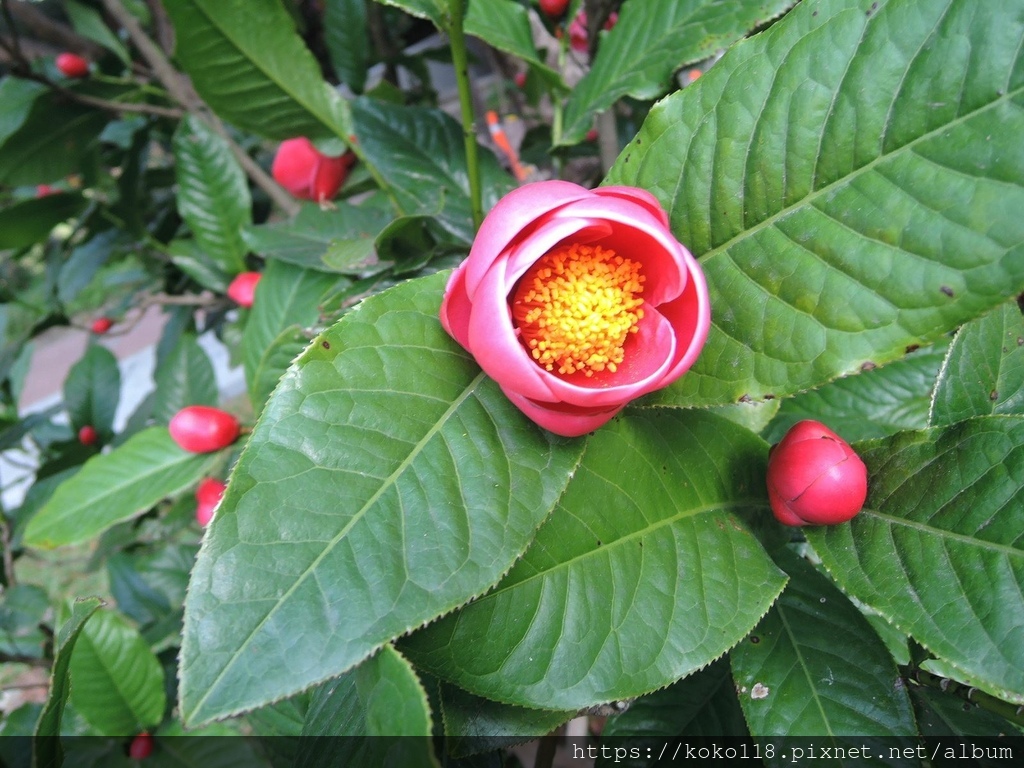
(72, 65)
(45, 190)
(101, 325)
(202, 429)
(141, 747)
(307, 173)
(243, 288)
(208, 496)
(87, 435)
(554, 8)
(520, 80)
(815, 477)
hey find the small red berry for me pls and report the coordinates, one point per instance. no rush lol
(243, 288)
(101, 325)
(141, 747)
(592, 135)
(88, 435)
(202, 429)
(520, 80)
(45, 190)
(72, 65)
(307, 173)
(208, 496)
(815, 477)
(554, 8)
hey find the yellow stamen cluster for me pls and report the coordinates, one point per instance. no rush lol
(576, 306)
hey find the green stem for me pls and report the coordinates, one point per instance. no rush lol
(460, 58)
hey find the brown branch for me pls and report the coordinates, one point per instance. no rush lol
(42, 26)
(10, 577)
(110, 106)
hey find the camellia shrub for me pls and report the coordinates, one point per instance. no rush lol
(520, 314)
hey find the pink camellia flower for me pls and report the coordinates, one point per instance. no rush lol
(308, 174)
(815, 477)
(578, 301)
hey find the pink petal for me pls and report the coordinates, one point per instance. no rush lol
(562, 421)
(636, 195)
(456, 307)
(690, 316)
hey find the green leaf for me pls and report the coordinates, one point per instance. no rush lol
(184, 377)
(190, 257)
(815, 667)
(50, 142)
(347, 38)
(114, 487)
(650, 41)
(505, 25)
(215, 746)
(16, 99)
(433, 10)
(213, 194)
(642, 574)
(305, 240)
(149, 585)
(380, 697)
(421, 155)
(876, 403)
(84, 263)
(429, 485)
(887, 214)
(249, 64)
(92, 391)
(944, 715)
(47, 747)
(288, 298)
(984, 371)
(30, 221)
(117, 682)
(937, 550)
(22, 609)
(89, 23)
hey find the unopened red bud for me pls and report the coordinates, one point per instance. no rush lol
(88, 435)
(72, 65)
(202, 429)
(101, 325)
(208, 496)
(554, 8)
(141, 747)
(307, 173)
(815, 477)
(243, 288)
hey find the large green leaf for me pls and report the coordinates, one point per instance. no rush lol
(877, 403)
(642, 574)
(421, 155)
(184, 377)
(16, 99)
(428, 485)
(651, 40)
(30, 221)
(795, 679)
(984, 372)
(380, 697)
(117, 682)
(89, 23)
(938, 549)
(212, 195)
(93, 389)
(114, 487)
(287, 297)
(247, 62)
(348, 41)
(847, 197)
(47, 749)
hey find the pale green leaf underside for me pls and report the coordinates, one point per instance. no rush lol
(939, 549)
(650, 41)
(797, 680)
(114, 487)
(642, 574)
(117, 683)
(429, 484)
(848, 197)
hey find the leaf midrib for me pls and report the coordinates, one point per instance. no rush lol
(301, 578)
(944, 534)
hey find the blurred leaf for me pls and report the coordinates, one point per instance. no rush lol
(434, 10)
(247, 62)
(795, 679)
(22, 608)
(420, 153)
(30, 221)
(184, 377)
(642, 575)
(650, 42)
(218, 745)
(380, 697)
(17, 322)
(114, 487)
(938, 550)
(190, 257)
(213, 194)
(92, 391)
(944, 715)
(984, 371)
(117, 682)
(50, 142)
(84, 263)
(305, 240)
(16, 99)
(883, 217)
(89, 23)
(47, 747)
(505, 25)
(348, 41)
(429, 484)
(148, 585)
(873, 404)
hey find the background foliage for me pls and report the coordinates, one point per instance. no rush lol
(400, 552)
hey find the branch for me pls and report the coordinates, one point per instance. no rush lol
(45, 28)
(110, 106)
(10, 578)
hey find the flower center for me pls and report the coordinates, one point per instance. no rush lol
(576, 306)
